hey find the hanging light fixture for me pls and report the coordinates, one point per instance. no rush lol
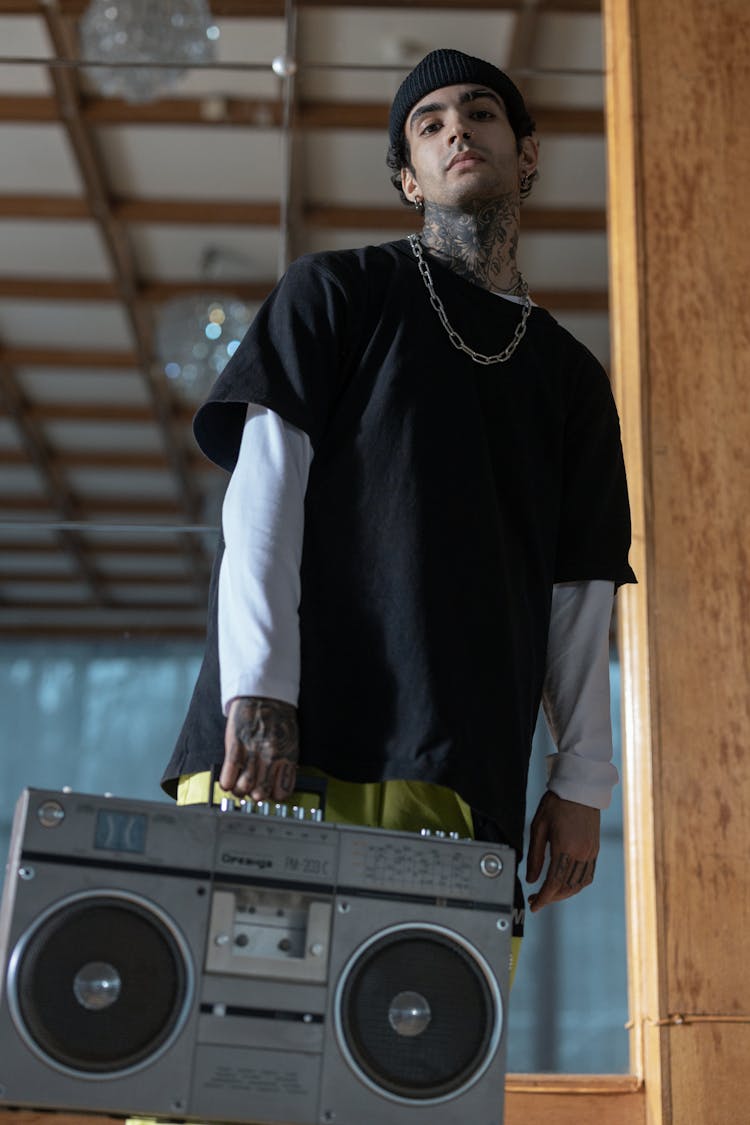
(145, 31)
(196, 336)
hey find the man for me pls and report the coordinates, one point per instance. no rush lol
(427, 517)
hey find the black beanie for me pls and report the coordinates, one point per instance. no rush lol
(452, 68)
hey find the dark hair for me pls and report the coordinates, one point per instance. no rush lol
(447, 67)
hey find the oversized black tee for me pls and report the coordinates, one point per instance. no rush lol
(444, 500)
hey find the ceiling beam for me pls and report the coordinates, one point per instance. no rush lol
(58, 494)
(274, 9)
(209, 212)
(121, 578)
(48, 289)
(64, 411)
(108, 459)
(177, 628)
(87, 506)
(261, 113)
(82, 289)
(92, 170)
(124, 545)
(521, 51)
(97, 359)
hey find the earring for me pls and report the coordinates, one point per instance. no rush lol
(419, 205)
(526, 180)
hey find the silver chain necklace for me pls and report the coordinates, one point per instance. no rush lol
(453, 336)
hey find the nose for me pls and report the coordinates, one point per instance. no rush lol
(458, 128)
(459, 133)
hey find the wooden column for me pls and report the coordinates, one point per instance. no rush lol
(679, 149)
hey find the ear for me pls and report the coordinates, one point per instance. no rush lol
(410, 185)
(528, 157)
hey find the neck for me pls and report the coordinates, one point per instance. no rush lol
(478, 240)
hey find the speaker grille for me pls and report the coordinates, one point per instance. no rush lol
(141, 951)
(444, 1056)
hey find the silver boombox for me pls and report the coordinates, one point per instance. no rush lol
(235, 966)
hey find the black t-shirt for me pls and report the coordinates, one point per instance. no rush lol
(444, 500)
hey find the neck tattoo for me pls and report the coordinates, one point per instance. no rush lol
(477, 242)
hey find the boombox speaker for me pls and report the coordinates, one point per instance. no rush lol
(244, 967)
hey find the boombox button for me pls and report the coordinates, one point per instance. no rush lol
(50, 814)
(491, 865)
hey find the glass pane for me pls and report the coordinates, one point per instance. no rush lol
(569, 1003)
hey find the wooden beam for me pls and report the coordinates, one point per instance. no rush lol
(108, 579)
(46, 289)
(108, 459)
(520, 52)
(81, 289)
(85, 358)
(119, 251)
(261, 9)
(681, 358)
(86, 625)
(87, 506)
(249, 113)
(127, 544)
(219, 212)
(64, 411)
(58, 493)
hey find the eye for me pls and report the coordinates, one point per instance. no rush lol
(482, 114)
(430, 127)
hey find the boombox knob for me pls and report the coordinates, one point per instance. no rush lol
(298, 812)
(440, 834)
(227, 804)
(263, 807)
(491, 865)
(425, 832)
(316, 815)
(281, 810)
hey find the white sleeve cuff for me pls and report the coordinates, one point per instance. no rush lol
(576, 693)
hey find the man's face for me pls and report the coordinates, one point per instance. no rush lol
(463, 147)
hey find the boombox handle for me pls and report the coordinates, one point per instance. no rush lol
(305, 783)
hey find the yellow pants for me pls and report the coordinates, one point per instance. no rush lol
(402, 806)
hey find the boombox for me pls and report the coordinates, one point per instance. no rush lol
(250, 965)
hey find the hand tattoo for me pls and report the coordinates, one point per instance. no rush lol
(262, 747)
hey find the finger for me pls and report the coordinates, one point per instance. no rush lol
(552, 887)
(577, 874)
(234, 765)
(283, 775)
(247, 778)
(537, 850)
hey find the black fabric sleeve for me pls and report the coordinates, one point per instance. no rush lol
(291, 360)
(594, 529)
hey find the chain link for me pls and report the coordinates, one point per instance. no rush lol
(453, 336)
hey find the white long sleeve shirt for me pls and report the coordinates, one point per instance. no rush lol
(259, 593)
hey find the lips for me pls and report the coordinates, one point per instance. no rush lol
(465, 158)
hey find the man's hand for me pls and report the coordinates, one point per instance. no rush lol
(572, 832)
(261, 749)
